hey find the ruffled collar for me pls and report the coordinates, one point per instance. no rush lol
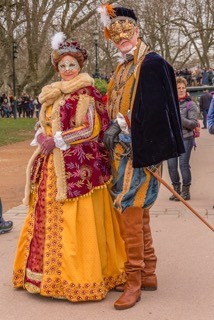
(125, 57)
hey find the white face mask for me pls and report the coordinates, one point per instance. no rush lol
(68, 65)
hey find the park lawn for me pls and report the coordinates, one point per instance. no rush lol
(15, 130)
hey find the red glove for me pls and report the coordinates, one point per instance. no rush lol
(47, 145)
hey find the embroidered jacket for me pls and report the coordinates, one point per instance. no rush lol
(82, 120)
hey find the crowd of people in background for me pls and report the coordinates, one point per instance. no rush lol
(197, 77)
(26, 106)
(29, 107)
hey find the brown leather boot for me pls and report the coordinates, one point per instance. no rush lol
(148, 276)
(131, 224)
(147, 284)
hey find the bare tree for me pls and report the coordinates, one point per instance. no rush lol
(31, 23)
(180, 30)
(196, 22)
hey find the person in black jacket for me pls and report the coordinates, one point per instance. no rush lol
(204, 103)
(145, 130)
(25, 105)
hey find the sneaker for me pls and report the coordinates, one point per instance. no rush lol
(5, 226)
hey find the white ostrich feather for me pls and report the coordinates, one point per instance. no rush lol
(57, 39)
(104, 17)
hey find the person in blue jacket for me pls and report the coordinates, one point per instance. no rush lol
(210, 117)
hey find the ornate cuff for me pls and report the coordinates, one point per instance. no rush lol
(59, 141)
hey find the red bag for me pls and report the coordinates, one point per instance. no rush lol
(197, 130)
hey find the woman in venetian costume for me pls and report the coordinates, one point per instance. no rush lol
(70, 245)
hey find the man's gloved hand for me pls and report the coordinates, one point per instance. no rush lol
(47, 145)
(110, 135)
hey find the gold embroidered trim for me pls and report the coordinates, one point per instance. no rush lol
(33, 275)
(19, 275)
(141, 194)
(104, 186)
(26, 198)
(123, 85)
(128, 174)
(52, 259)
(58, 159)
(59, 288)
(141, 54)
(32, 288)
(126, 95)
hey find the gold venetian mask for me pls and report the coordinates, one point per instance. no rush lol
(121, 29)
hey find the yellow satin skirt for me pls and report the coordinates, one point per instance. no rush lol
(71, 250)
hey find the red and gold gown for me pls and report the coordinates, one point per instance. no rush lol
(70, 246)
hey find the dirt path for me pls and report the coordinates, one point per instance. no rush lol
(13, 162)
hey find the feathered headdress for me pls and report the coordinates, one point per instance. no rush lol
(106, 12)
(57, 39)
(61, 46)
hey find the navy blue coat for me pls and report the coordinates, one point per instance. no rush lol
(156, 124)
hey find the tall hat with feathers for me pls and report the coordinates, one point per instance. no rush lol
(111, 13)
(62, 46)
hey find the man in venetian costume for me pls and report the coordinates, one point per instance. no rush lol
(70, 245)
(145, 130)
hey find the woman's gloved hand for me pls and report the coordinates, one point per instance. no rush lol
(110, 135)
(47, 143)
(41, 138)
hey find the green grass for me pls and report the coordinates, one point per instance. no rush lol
(16, 130)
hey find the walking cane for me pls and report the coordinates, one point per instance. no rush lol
(153, 170)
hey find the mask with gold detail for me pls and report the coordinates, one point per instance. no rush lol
(119, 22)
(121, 29)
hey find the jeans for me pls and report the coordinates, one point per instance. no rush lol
(183, 164)
(205, 112)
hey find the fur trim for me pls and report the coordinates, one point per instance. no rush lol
(26, 199)
(82, 108)
(57, 39)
